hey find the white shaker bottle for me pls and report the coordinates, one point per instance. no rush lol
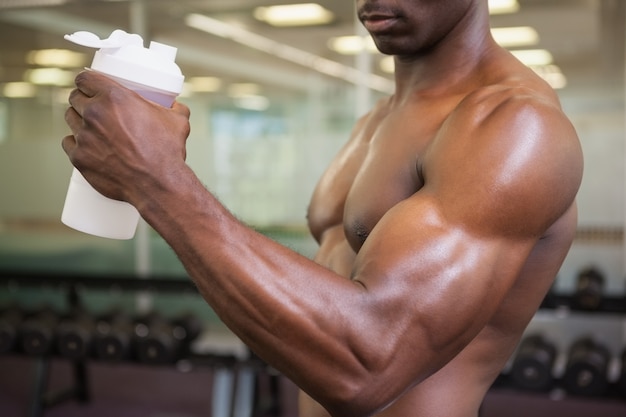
(150, 72)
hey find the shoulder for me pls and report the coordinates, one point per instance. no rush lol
(522, 121)
(511, 153)
(506, 103)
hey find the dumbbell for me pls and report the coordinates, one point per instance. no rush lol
(533, 364)
(37, 332)
(74, 336)
(586, 373)
(589, 289)
(113, 336)
(187, 327)
(154, 340)
(159, 340)
(10, 320)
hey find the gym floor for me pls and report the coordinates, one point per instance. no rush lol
(129, 390)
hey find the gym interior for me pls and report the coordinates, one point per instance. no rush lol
(92, 326)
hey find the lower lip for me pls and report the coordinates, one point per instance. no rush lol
(379, 25)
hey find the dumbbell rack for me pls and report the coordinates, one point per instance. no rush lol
(79, 391)
(562, 321)
(557, 312)
(235, 368)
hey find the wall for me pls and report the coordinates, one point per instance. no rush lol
(597, 113)
(263, 166)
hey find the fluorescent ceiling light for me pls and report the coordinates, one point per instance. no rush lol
(305, 14)
(553, 75)
(503, 6)
(352, 45)
(204, 84)
(388, 65)
(57, 58)
(19, 90)
(50, 76)
(557, 81)
(243, 89)
(7, 4)
(515, 36)
(252, 102)
(288, 53)
(534, 57)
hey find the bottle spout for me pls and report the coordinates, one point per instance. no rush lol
(166, 51)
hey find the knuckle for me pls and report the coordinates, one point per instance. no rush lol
(116, 95)
(186, 128)
(73, 94)
(80, 78)
(183, 122)
(90, 114)
(69, 112)
(186, 111)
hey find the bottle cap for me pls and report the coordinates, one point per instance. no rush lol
(123, 55)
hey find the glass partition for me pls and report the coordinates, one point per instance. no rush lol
(270, 107)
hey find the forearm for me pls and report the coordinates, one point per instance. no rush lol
(288, 309)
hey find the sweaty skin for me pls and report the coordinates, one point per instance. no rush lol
(441, 223)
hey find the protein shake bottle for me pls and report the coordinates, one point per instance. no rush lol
(151, 72)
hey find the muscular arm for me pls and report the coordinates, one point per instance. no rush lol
(426, 281)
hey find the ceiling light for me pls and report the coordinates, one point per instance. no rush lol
(288, 53)
(515, 36)
(388, 65)
(57, 58)
(243, 89)
(352, 45)
(8, 4)
(204, 84)
(556, 80)
(252, 102)
(305, 14)
(552, 74)
(246, 96)
(50, 76)
(19, 90)
(503, 6)
(533, 57)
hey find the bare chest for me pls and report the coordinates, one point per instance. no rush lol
(380, 166)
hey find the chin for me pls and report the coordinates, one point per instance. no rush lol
(396, 51)
(391, 46)
(386, 48)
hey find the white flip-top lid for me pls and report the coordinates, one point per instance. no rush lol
(123, 55)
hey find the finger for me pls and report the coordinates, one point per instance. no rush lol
(68, 144)
(73, 118)
(83, 83)
(180, 108)
(91, 82)
(77, 100)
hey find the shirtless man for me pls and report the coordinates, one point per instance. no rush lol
(441, 223)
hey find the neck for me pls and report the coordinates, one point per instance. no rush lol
(450, 63)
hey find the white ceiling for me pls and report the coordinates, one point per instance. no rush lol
(586, 37)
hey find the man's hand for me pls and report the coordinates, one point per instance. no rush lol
(122, 143)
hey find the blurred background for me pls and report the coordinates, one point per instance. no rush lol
(273, 95)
